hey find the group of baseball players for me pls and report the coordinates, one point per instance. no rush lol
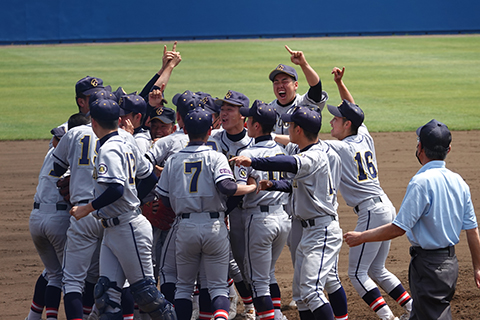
(161, 219)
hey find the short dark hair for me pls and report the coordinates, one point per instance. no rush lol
(76, 120)
(437, 153)
(107, 124)
(266, 128)
(197, 136)
(308, 134)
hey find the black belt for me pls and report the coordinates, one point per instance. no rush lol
(311, 222)
(264, 208)
(83, 201)
(213, 215)
(107, 223)
(375, 200)
(59, 206)
(450, 251)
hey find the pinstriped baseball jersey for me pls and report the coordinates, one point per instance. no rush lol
(300, 100)
(119, 161)
(199, 168)
(261, 150)
(359, 167)
(313, 189)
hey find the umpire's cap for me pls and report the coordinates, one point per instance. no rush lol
(434, 135)
(88, 85)
(282, 68)
(308, 119)
(261, 112)
(348, 110)
(198, 121)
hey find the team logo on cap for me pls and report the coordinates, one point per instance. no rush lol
(280, 67)
(228, 95)
(159, 111)
(94, 82)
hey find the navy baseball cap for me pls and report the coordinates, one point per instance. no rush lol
(88, 85)
(348, 110)
(119, 93)
(132, 103)
(207, 102)
(282, 68)
(185, 102)
(306, 118)
(58, 132)
(434, 134)
(107, 110)
(102, 94)
(261, 112)
(198, 121)
(164, 114)
(235, 98)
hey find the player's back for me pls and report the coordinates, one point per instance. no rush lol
(120, 161)
(359, 167)
(77, 150)
(47, 182)
(190, 178)
(313, 192)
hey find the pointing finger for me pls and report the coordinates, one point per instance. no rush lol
(288, 49)
(174, 46)
(164, 50)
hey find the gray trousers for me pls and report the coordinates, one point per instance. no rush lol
(433, 277)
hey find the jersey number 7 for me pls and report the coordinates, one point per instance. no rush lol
(195, 168)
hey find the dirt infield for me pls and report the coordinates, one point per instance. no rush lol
(20, 264)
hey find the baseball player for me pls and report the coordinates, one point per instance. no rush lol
(336, 293)
(76, 151)
(233, 138)
(313, 196)
(267, 225)
(360, 187)
(133, 111)
(162, 123)
(285, 84)
(116, 205)
(198, 197)
(49, 221)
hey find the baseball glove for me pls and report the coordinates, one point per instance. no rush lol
(159, 216)
(63, 185)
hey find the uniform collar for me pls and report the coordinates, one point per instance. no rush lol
(238, 136)
(263, 138)
(108, 136)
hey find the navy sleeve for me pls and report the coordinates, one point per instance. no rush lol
(58, 169)
(315, 92)
(281, 185)
(146, 185)
(227, 186)
(148, 87)
(109, 196)
(232, 203)
(277, 163)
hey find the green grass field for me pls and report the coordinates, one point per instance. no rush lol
(400, 82)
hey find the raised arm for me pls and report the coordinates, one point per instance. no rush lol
(298, 58)
(342, 89)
